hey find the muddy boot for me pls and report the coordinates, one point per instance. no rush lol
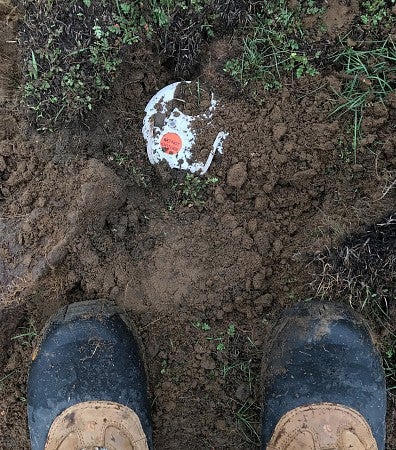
(324, 385)
(87, 384)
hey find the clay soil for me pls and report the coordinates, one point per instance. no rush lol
(76, 224)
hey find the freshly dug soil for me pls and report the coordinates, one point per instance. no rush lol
(78, 223)
(191, 99)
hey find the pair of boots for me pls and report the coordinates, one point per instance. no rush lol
(324, 384)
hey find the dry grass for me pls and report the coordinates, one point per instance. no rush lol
(363, 267)
(362, 271)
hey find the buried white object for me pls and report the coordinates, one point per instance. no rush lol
(170, 134)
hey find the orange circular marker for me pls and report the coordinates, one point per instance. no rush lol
(171, 143)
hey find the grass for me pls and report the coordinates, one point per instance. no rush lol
(361, 271)
(25, 338)
(5, 377)
(73, 50)
(246, 417)
(221, 340)
(369, 77)
(275, 45)
(377, 12)
(390, 367)
(243, 368)
(27, 334)
(192, 191)
(73, 55)
(238, 362)
(126, 162)
(204, 326)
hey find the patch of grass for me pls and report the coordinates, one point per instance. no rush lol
(73, 53)
(191, 191)
(242, 372)
(362, 271)
(73, 49)
(222, 339)
(390, 367)
(377, 12)
(27, 334)
(194, 187)
(238, 363)
(247, 420)
(125, 161)
(274, 46)
(369, 77)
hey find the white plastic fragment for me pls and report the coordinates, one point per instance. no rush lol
(172, 138)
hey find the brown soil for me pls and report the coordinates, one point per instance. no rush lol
(76, 225)
(192, 99)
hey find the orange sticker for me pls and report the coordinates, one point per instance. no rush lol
(171, 143)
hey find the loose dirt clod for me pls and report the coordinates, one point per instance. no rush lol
(237, 175)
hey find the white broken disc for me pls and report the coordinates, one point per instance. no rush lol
(170, 134)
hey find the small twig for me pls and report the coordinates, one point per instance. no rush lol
(391, 186)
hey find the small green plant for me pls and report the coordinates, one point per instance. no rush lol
(345, 151)
(128, 23)
(125, 161)
(191, 191)
(220, 347)
(390, 352)
(312, 8)
(27, 334)
(222, 339)
(194, 187)
(119, 158)
(376, 12)
(202, 325)
(164, 366)
(231, 330)
(370, 77)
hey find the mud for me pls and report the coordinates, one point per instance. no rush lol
(192, 99)
(76, 223)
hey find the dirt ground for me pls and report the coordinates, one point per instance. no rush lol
(76, 224)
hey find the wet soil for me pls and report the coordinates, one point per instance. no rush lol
(77, 223)
(191, 99)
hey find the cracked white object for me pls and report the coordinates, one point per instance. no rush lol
(171, 138)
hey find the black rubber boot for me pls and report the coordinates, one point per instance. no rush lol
(87, 352)
(322, 353)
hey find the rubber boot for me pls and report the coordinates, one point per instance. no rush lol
(87, 384)
(324, 385)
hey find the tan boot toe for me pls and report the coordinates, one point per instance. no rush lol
(322, 426)
(95, 424)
